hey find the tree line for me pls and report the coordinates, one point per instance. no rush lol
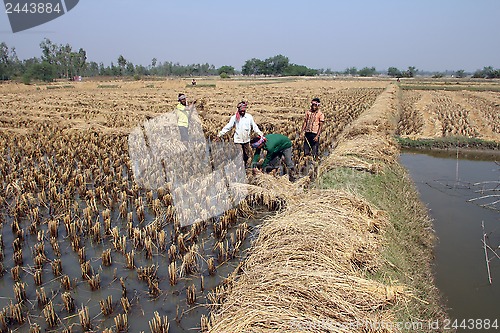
(63, 62)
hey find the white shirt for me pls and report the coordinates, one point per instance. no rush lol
(243, 128)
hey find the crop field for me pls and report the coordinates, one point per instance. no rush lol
(433, 111)
(83, 247)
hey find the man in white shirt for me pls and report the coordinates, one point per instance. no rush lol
(244, 124)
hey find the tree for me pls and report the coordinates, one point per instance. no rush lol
(394, 72)
(276, 65)
(122, 62)
(367, 71)
(460, 73)
(299, 70)
(9, 63)
(43, 71)
(351, 71)
(410, 72)
(229, 70)
(253, 66)
(49, 51)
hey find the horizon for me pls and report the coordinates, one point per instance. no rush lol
(432, 37)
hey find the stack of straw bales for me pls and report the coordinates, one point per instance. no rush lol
(307, 270)
(367, 143)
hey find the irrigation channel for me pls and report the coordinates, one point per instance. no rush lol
(461, 190)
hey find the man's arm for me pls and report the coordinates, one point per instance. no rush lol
(228, 126)
(316, 138)
(256, 157)
(303, 126)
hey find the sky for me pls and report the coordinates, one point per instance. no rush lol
(431, 35)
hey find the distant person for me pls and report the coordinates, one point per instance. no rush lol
(277, 146)
(311, 129)
(243, 123)
(184, 113)
(193, 82)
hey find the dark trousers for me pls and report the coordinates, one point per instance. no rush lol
(311, 146)
(275, 161)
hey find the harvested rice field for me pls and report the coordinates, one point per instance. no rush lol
(84, 247)
(450, 110)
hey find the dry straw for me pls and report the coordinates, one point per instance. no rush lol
(309, 265)
(367, 143)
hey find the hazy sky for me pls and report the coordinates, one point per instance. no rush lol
(434, 35)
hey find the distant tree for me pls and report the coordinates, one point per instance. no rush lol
(487, 73)
(92, 69)
(141, 70)
(438, 75)
(122, 62)
(394, 72)
(410, 72)
(153, 62)
(460, 73)
(276, 65)
(299, 70)
(49, 51)
(229, 70)
(43, 71)
(130, 69)
(367, 71)
(351, 71)
(9, 63)
(253, 66)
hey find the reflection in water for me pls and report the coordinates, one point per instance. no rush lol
(447, 185)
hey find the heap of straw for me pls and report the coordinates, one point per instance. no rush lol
(307, 271)
(367, 143)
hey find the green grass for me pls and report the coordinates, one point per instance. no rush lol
(259, 83)
(449, 87)
(108, 86)
(202, 85)
(67, 86)
(409, 238)
(448, 143)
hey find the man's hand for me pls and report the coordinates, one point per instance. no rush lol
(316, 138)
(256, 171)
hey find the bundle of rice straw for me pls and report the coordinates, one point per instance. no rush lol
(367, 143)
(306, 272)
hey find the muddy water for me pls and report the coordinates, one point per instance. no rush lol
(446, 184)
(170, 302)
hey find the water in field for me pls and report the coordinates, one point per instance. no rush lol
(447, 185)
(168, 300)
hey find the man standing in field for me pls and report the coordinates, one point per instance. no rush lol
(184, 113)
(313, 124)
(277, 146)
(244, 124)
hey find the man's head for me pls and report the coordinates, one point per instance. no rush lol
(242, 108)
(258, 142)
(315, 103)
(182, 99)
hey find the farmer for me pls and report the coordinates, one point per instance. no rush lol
(313, 124)
(276, 146)
(244, 124)
(184, 113)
